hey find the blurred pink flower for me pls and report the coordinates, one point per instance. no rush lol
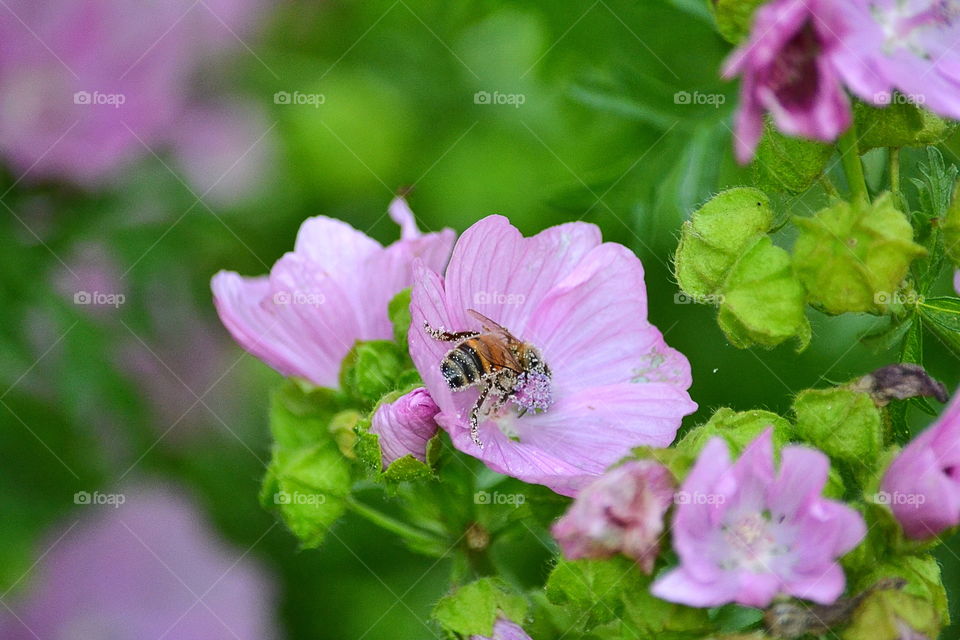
(148, 568)
(922, 485)
(330, 292)
(620, 512)
(504, 629)
(908, 45)
(746, 532)
(787, 71)
(614, 382)
(85, 84)
(405, 426)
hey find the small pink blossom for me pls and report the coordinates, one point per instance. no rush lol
(907, 45)
(405, 426)
(922, 485)
(746, 532)
(620, 512)
(787, 71)
(613, 383)
(86, 86)
(327, 294)
(504, 629)
(139, 570)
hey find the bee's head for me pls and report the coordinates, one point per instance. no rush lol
(535, 363)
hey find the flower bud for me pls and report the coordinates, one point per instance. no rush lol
(405, 426)
(902, 123)
(853, 258)
(844, 424)
(620, 512)
(787, 164)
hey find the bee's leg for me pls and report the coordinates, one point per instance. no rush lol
(474, 415)
(446, 336)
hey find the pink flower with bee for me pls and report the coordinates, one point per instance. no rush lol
(539, 354)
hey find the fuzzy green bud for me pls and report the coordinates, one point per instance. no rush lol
(853, 258)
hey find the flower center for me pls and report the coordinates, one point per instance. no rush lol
(752, 542)
(795, 76)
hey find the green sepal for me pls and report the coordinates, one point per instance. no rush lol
(762, 301)
(787, 164)
(716, 235)
(853, 258)
(375, 368)
(899, 124)
(923, 577)
(399, 312)
(844, 424)
(884, 614)
(474, 608)
(308, 478)
(738, 428)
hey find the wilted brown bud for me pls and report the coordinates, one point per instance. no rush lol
(899, 382)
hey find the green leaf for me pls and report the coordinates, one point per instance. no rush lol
(854, 258)
(734, 18)
(787, 164)
(473, 609)
(308, 478)
(716, 235)
(899, 124)
(844, 424)
(923, 576)
(762, 301)
(951, 229)
(936, 186)
(942, 316)
(600, 592)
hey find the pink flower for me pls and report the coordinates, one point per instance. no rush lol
(405, 426)
(147, 568)
(84, 84)
(922, 485)
(620, 512)
(503, 629)
(602, 378)
(330, 292)
(746, 532)
(787, 72)
(908, 45)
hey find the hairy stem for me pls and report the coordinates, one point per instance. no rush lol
(852, 167)
(894, 161)
(391, 524)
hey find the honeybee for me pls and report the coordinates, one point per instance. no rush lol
(497, 362)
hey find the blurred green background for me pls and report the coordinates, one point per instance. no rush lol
(155, 386)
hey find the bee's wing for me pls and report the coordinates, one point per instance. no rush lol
(490, 326)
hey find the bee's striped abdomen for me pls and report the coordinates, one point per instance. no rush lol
(461, 367)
